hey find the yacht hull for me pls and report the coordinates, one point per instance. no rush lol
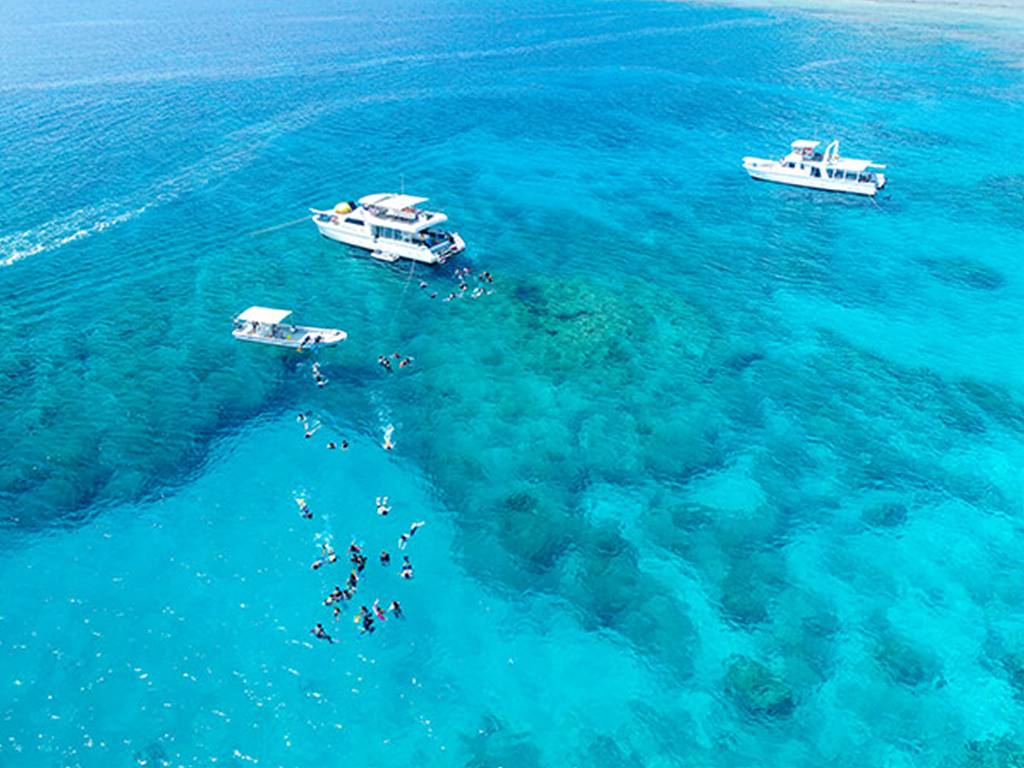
(357, 236)
(763, 170)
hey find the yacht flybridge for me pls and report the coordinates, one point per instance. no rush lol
(391, 227)
(805, 166)
(266, 325)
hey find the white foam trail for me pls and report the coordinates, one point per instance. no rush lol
(242, 147)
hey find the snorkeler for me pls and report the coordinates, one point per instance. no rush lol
(382, 506)
(326, 550)
(304, 509)
(366, 618)
(384, 363)
(344, 445)
(331, 446)
(396, 609)
(321, 633)
(405, 361)
(406, 568)
(385, 558)
(404, 538)
(378, 611)
(388, 444)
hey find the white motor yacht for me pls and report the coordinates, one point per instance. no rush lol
(266, 325)
(805, 166)
(391, 227)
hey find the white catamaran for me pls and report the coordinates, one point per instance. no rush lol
(804, 166)
(265, 325)
(391, 227)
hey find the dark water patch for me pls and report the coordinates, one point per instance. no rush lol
(1012, 665)
(885, 515)
(495, 743)
(997, 403)
(756, 689)
(805, 630)
(993, 752)
(1003, 194)
(905, 662)
(963, 273)
(750, 587)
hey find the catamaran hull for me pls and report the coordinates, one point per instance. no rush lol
(761, 173)
(387, 247)
(302, 337)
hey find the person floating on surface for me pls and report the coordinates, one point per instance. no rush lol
(395, 609)
(304, 509)
(404, 538)
(321, 634)
(384, 363)
(388, 444)
(385, 558)
(327, 551)
(406, 568)
(378, 611)
(382, 506)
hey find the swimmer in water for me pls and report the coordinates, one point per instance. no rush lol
(366, 617)
(406, 568)
(406, 361)
(395, 609)
(332, 446)
(385, 558)
(344, 445)
(404, 538)
(334, 596)
(304, 509)
(327, 551)
(320, 633)
(378, 611)
(382, 506)
(316, 565)
(388, 444)
(353, 580)
(384, 363)
(423, 284)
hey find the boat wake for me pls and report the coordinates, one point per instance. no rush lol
(241, 148)
(62, 231)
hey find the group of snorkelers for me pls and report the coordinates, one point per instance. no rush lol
(384, 361)
(311, 425)
(464, 276)
(366, 617)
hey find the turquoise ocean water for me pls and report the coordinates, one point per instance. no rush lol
(721, 474)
